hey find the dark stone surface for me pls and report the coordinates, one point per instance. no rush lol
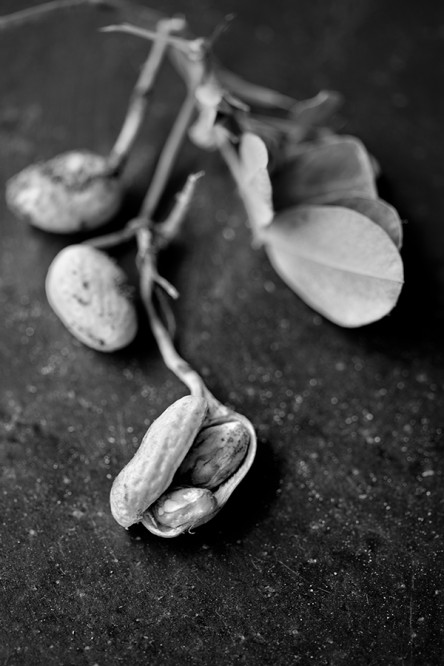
(331, 551)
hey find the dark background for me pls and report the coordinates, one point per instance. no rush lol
(331, 551)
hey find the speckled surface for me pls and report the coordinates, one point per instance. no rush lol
(331, 550)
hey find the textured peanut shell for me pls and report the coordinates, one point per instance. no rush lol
(87, 290)
(221, 494)
(72, 192)
(150, 472)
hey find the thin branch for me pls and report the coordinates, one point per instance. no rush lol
(219, 30)
(174, 362)
(163, 232)
(172, 359)
(148, 276)
(24, 16)
(169, 228)
(178, 42)
(232, 161)
(128, 9)
(166, 312)
(147, 271)
(168, 156)
(124, 235)
(189, 56)
(165, 286)
(139, 99)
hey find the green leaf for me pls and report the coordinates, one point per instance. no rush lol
(338, 261)
(325, 172)
(378, 211)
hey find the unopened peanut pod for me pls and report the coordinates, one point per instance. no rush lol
(70, 193)
(89, 293)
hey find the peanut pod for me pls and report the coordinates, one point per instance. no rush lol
(88, 291)
(70, 193)
(145, 490)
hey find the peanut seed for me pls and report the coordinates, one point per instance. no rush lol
(216, 454)
(184, 507)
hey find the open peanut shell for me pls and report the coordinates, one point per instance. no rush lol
(151, 471)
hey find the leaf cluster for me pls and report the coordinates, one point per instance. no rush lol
(310, 195)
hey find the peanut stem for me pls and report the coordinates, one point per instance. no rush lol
(168, 229)
(174, 362)
(164, 232)
(145, 33)
(168, 156)
(172, 359)
(232, 161)
(23, 16)
(106, 241)
(16, 19)
(141, 92)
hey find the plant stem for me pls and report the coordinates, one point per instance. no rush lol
(168, 156)
(168, 229)
(145, 33)
(140, 95)
(117, 237)
(163, 232)
(16, 19)
(232, 161)
(23, 16)
(172, 359)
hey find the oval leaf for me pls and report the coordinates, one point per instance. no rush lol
(325, 172)
(326, 135)
(338, 261)
(378, 211)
